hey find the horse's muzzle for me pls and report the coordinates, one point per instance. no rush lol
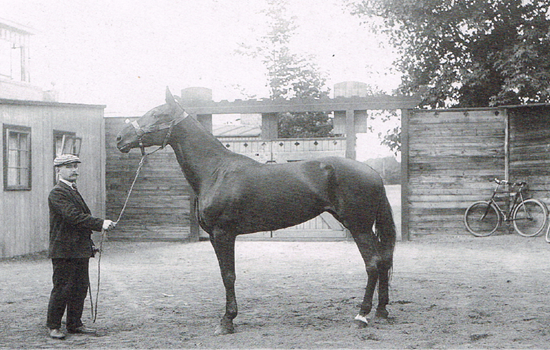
(124, 148)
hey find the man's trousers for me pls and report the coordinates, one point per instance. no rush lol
(70, 287)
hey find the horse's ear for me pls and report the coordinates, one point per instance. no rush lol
(169, 97)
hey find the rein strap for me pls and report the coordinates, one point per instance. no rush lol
(104, 235)
(139, 132)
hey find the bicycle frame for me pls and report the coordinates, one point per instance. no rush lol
(517, 199)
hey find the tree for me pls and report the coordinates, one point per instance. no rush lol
(289, 74)
(468, 53)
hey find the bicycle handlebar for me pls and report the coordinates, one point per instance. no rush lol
(504, 182)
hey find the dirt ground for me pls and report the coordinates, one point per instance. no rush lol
(446, 292)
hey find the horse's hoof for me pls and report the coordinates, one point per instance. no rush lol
(382, 314)
(224, 329)
(361, 321)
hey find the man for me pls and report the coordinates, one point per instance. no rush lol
(71, 246)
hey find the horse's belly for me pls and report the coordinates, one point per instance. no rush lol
(268, 216)
(277, 219)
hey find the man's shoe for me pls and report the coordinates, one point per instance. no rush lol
(81, 330)
(56, 333)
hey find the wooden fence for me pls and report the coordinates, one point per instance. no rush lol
(529, 148)
(287, 150)
(158, 208)
(450, 156)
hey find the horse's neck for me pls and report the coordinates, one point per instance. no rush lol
(197, 151)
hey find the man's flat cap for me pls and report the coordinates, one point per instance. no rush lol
(65, 159)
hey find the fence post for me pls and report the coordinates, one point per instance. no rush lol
(405, 207)
(270, 126)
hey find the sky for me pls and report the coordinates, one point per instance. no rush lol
(124, 53)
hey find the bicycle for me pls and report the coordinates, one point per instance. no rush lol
(529, 216)
(548, 234)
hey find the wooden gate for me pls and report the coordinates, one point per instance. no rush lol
(323, 227)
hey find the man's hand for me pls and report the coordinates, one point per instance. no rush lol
(108, 225)
(94, 251)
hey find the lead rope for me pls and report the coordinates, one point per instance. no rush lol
(104, 234)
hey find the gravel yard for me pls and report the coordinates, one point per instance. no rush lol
(446, 292)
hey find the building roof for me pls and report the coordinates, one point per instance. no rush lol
(302, 105)
(6, 101)
(527, 105)
(459, 109)
(16, 27)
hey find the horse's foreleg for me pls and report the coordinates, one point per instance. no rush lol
(224, 246)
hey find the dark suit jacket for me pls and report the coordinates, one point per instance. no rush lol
(71, 224)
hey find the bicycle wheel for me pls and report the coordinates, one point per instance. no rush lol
(482, 219)
(530, 217)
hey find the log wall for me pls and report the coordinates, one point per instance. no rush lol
(530, 149)
(158, 207)
(452, 155)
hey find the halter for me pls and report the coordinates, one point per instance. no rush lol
(140, 131)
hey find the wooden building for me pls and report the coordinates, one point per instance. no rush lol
(33, 132)
(14, 62)
(449, 158)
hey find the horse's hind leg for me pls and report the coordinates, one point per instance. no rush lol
(384, 267)
(367, 247)
(224, 246)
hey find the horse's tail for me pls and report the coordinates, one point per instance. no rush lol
(385, 229)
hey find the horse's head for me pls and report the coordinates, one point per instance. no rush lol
(154, 128)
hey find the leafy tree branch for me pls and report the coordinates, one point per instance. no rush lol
(468, 53)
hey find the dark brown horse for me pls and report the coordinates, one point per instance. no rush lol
(237, 195)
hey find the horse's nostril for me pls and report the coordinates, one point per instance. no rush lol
(118, 138)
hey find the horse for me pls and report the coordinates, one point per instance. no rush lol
(238, 195)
